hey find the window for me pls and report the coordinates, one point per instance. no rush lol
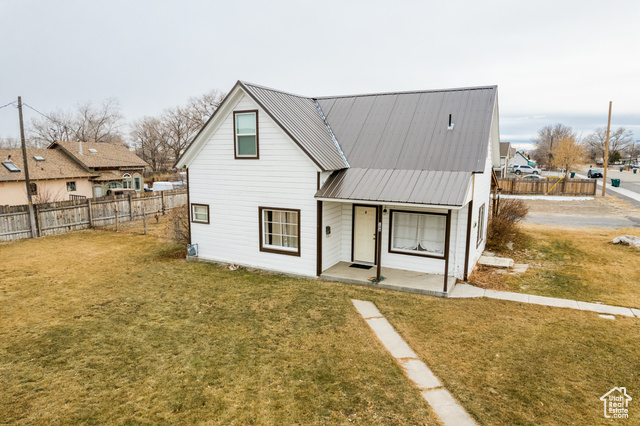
(11, 167)
(279, 230)
(245, 132)
(71, 186)
(200, 213)
(126, 180)
(33, 188)
(136, 182)
(480, 225)
(421, 234)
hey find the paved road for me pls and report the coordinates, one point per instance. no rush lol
(583, 220)
(629, 181)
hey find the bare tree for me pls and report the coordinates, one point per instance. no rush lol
(178, 129)
(619, 139)
(99, 123)
(567, 153)
(199, 109)
(149, 139)
(10, 142)
(88, 123)
(58, 125)
(549, 136)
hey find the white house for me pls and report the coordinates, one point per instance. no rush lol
(308, 186)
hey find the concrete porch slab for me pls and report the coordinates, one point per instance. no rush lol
(395, 279)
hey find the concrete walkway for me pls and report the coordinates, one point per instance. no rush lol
(469, 291)
(442, 402)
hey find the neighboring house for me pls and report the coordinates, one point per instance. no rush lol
(505, 154)
(53, 177)
(520, 159)
(115, 165)
(299, 185)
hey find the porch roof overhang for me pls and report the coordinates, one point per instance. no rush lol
(424, 188)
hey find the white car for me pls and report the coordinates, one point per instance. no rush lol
(534, 177)
(521, 169)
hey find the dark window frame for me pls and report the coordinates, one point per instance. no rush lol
(193, 214)
(71, 184)
(271, 249)
(235, 137)
(33, 188)
(481, 225)
(431, 256)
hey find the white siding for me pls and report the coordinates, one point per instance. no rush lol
(331, 244)
(409, 262)
(234, 189)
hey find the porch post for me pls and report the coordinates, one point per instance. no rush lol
(379, 243)
(468, 244)
(447, 237)
(319, 240)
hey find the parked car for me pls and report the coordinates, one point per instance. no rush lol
(120, 191)
(594, 173)
(521, 169)
(534, 177)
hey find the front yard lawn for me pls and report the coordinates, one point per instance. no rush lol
(98, 327)
(580, 264)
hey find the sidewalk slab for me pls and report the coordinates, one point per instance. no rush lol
(552, 301)
(506, 295)
(605, 309)
(447, 408)
(467, 290)
(366, 309)
(390, 338)
(636, 312)
(420, 374)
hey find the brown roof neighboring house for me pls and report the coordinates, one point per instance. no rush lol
(53, 165)
(100, 155)
(505, 149)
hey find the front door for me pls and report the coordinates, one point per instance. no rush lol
(364, 234)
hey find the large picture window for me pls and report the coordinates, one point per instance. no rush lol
(245, 131)
(280, 230)
(421, 234)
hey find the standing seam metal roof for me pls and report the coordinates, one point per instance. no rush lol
(301, 119)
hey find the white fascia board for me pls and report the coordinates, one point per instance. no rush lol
(385, 203)
(210, 128)
(495, 135)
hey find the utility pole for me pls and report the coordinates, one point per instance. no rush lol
(25, 164)
(606, 153)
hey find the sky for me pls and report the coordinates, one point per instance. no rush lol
(558, 61)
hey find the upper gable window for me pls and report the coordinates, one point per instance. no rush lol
(245, 131)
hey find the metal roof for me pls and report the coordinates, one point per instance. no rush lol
(302, 120)
(410, 130)
(433, 187)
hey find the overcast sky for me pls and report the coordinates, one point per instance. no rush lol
(553, 61)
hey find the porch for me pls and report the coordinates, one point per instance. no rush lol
(395, 279)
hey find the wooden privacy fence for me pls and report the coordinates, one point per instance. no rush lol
(65, 216)
(572, 187)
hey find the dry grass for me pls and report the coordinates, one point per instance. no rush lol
(579, 263)
(99, 327)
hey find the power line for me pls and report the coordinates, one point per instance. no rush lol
(10, 103)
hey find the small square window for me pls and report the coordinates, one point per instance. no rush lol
(200, 213)
(245, 130)
(71, 186)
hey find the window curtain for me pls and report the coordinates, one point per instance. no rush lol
(419, 232)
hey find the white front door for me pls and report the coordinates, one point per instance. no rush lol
(364, 234)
